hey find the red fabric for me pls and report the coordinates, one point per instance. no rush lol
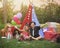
(12, 29)
(51, 29)
(28, 17)
(49, 35)
(25, 33)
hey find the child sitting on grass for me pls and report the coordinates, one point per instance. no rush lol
(5, 30)
(24, 35)
(9, 32)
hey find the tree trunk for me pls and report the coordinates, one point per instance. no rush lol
(4, 11)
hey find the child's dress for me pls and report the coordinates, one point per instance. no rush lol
(9, 33)
(24, 35)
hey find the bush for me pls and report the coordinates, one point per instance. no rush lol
(2, 26)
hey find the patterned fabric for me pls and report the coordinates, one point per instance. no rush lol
(25, 35)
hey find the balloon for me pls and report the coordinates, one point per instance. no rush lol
(13, 22)
(15, 18)
(19, 15)
(18, 22)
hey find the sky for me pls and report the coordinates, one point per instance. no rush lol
(0, 4)
(18, 3)
(39, 3)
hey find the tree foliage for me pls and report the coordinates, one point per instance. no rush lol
(51, 12)
(6, 12)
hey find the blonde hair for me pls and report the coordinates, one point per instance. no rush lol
(5, 29)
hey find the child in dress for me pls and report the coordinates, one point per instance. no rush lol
(9, 32)
(4, 30)
(24, 35)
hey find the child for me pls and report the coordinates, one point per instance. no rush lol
(25, 33)
(17, 34)
(4, 30)
(9, 32)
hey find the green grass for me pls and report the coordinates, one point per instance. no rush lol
(28, 44)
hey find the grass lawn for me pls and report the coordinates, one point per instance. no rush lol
(27, 44)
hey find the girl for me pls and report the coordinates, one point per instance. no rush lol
(24, 35)
(9, 33)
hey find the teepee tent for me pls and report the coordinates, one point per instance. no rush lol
(34, 17)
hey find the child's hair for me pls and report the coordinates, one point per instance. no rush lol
(5, 29)
(25, 27)
(27, 24)
(31, 23)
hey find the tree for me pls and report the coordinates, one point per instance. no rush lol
(23, 10)
(7, 11)
(50, 13)
(4, 11)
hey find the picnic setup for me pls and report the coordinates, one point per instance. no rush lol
(30, 32)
